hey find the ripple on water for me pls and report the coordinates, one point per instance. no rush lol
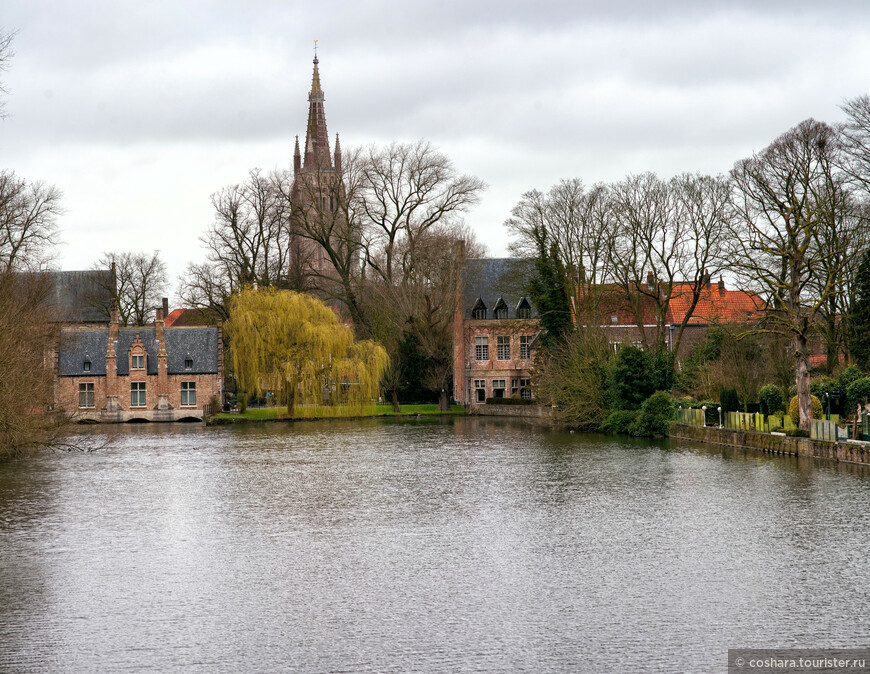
(430, 545)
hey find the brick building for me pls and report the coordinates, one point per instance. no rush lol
(635, 321)
(108, 373)
(495, 328)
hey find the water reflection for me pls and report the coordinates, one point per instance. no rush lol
(423, 545)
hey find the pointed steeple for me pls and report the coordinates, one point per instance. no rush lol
(316, 137)
(337, 154)
(297, 158)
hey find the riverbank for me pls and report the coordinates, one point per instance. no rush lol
(848, 452)
(256, 415)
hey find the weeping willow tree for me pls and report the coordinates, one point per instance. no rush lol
(295, 346)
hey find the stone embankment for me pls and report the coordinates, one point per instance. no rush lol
(849, 452)
(542, 412)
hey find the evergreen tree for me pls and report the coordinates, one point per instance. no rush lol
(549, 289)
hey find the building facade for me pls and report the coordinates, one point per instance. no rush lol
(114, 374)
(495, 330)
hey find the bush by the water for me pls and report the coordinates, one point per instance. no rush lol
(771, 400)
(655, 416)
(729, 400)
(619, 422)
(858, 393)
(816, 411)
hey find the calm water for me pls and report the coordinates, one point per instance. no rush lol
(423, 546)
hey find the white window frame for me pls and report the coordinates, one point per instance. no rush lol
(86, 395)
(499, 385)
(525, 347)
(188, 394)
(503, 347)
(137, 362)
(481, 348)
(138, 394)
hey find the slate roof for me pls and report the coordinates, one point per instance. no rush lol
(78, 346)
(81, 296)
(492, 279)
(197, 344)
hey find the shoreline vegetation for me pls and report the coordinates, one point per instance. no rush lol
(313, 412)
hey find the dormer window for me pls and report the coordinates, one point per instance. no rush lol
(524, 309)
(478, 313)
(188, 363)
(137, 362)
(86, 366)
(501, 310)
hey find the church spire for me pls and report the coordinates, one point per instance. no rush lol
(316, 137)
(297, 157)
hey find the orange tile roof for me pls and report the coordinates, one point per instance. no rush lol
(716, 304)
(172, 317)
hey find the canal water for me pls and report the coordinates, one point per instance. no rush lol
(431, 545)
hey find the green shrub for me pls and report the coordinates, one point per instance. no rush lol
(848, 376)
(242, 402)
(728, 400)
(798, 433)
(655, 416)
(770, 399)
(631, 378)
(619, 422)
(858, 393)
(816, 411)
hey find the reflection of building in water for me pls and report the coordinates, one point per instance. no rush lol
(318, 194)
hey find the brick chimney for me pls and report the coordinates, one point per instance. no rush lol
(165, 307)
(721, 286)
(650, 280)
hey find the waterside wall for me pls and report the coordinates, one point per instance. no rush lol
(849, 452)
(516, 411)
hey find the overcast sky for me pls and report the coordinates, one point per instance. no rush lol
(139, 111)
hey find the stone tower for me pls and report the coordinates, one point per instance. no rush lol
(317, 191)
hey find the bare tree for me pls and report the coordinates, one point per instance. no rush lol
(6, 55)
(249, 237)
(855, 158)
(669, 241)
(325, 231)
(785, 200)
(140, 283)
(28, 222)
(405, 190)
(26, 378)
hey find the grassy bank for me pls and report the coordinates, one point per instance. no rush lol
(330, 412)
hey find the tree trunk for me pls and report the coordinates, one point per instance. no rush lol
(802, 380)
(443, 401)
(394, 396)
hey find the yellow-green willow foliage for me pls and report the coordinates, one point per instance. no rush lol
(295, 346)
